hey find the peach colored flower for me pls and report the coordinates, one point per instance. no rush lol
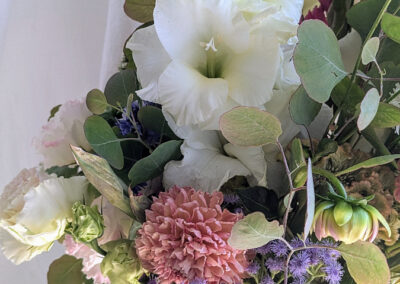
(185, 238)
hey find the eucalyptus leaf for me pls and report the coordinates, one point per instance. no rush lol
(66, 270)
(153, 119)
(365, 262)
(369, 107)
(254, 231)
(96, 101)
(249, 126)
(303, 109)
(386, 116)
(310, 201)
(53, 111)
(153, 165)
(370, 50)
(140, 10)
(370, 163)
(391, 26)
(120, 86)
(317, 60)
(101, 176)
(354, 96)
(104, 141)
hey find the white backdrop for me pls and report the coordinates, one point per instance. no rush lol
(50, 51)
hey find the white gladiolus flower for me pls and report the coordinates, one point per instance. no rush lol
(63, 130)
(34, 209)
(204, 57)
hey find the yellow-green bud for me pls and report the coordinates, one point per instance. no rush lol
(87, 223)
(121, 264)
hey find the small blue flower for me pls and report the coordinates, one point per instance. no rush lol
(275, 264)
(231, 199)
(253, 268)
(263, 250)
(267, 280)
(297, 243)
(334, 272)
(299, 263)
(299, 280)
(278, 247)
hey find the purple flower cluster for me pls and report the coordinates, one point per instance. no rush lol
(253, 268)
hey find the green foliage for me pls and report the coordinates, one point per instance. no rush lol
(310, 201)
(369, 107)
(337, 17)
(96, 101)
(259, 199)
(254, 231)
(64, 171)
(53, 111)
(66, 270)
(317, 60)
(139, 203)
(355, 95)
(249, 126)
(119, 86)
(140, 10)
(365, 262)
(100, 174)
(325, 147)
(303, 109)
(386, 116)
(153, 165)
(391, 26)
(370, 50)
(153, 119)
(104, 141)
(391, 71)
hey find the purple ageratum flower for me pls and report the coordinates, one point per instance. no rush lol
(267, 280)
(275, 264)
(152, 281)
(124, 125)
(263, 250)
(231, 199)
(299, 263)
(297, 243)
(253, 268)
(334, 272)
(299, 280)
(278, 248)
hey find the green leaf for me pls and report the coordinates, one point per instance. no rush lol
(119, 86)
(140, 10)
(64, 171)
(153, 165)
(391, 26)
(369, 107)
(386, 116)
(303, 109)
(317, 60)
(310, 201)
(370, 50)
(66, 270)
(337, 17)
(249, 126)
(53, 111)
(139, 203)
(391, 71)
(254, 231)
(325, 147)
(153, 119)
(96, 101)
(365, 262)
(101, 176)
(355, 95)
(259, 199)
(104, 141)
(370, 163)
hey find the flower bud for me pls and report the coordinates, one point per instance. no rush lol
(87, 223)
(121, 264)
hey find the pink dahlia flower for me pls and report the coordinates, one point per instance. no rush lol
(185, 238)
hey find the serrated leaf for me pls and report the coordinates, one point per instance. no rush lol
(153, 119)
(120, 86)
(140, 10)
(249, 126)
(386, 116)
(254, 231)
(104, 141)
(391, 26)
(317, 60)
(303, 109)
(370, 163)
(153, 165)
(310, 201)
(96, 101)
(66, 270)
(369, 107)
(365, 262)
(370, 50)
(101, 176)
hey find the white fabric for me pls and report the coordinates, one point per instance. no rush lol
(50, 52)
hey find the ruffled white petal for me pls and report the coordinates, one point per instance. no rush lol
(189, 96)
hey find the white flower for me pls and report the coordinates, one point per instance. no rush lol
(34, 209)
(208, 162)
(203, 57)
(63, 130)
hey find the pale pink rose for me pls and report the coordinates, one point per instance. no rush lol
(185, 238)
(63, 130)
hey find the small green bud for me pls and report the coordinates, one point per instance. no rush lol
(121, 264)
(87, 223)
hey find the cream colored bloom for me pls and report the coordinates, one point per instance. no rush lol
(34, 209)
(63, 130)
(203, 57)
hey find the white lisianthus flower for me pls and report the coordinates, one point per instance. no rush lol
(63, 130)
(34, 209)
(204, 57)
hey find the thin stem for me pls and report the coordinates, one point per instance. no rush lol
(95, 246)
(373, 78)
(343, 128)
(381, 78)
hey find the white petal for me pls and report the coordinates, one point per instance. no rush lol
(213, 122)
(189, 96)
(251, 75)
(252, 158)
(150, 58)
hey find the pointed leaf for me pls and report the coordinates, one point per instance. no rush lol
(254, 231)
(370, 50)
(310, 201)
(386, 116)
(391, 26)
(369, 107)
(302, 108)
(370, 163)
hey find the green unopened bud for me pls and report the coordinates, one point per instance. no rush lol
(121, 264)
(87, 223)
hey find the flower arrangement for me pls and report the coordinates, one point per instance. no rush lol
(242, 141)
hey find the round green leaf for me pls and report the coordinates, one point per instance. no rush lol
(386, 116)
(254, 231)
(365, 262)
(96, 101)
(317, 60)
(302, 108)
(369, 107)
(391, 26)
(119, 86)
(66, 270)
(140, 10)
(370, 50)
(250, 126)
